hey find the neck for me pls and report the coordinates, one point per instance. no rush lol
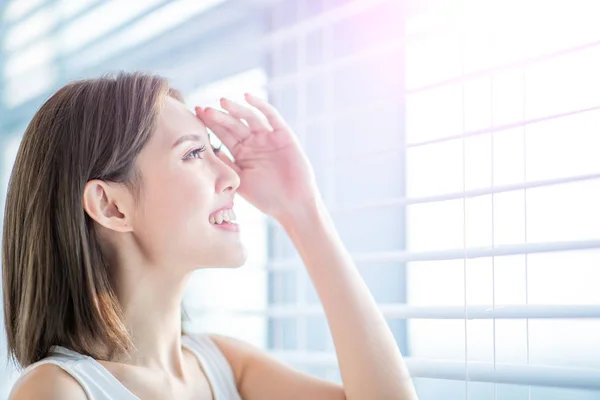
(151, 304)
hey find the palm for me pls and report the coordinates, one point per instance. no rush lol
(275, 174)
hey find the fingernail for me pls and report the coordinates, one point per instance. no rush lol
(198, 109)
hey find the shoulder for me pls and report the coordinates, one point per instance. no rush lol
(259, 375)
(227, 343)
(48, 382)
(236, 351)
(240, 355)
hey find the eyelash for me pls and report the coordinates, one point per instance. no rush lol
(199, 152)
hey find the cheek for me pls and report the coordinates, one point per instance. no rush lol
(180, 200)
(173, 219)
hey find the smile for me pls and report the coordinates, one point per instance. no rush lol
(224, 216)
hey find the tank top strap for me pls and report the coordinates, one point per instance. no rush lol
(215, 365)
(95, 380)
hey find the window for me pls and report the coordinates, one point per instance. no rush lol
(456, 145)
(147, 25)
(457, 149)
(43, 41)
(328, 71)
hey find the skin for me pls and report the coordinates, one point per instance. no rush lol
(157, 242)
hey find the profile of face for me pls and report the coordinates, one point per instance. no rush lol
(180, 219)
(187, 195)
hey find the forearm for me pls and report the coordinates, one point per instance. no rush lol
(370, 362)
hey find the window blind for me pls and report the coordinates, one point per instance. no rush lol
(455, 144)
(456, 147)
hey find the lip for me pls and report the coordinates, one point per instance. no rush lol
(228, 227)
(225, 207)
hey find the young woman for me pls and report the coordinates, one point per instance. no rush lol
(115, 198)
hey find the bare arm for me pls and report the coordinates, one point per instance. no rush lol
(370, 362)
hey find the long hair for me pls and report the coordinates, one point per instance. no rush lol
(57, 284)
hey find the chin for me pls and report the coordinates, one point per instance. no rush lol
(233, 262)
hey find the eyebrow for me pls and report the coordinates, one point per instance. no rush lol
(186, 138)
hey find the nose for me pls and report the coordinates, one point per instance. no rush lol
(227, 179)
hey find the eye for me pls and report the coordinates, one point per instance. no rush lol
(196, 153)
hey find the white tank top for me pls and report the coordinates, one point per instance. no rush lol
(99, 384)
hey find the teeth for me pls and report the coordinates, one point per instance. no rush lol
(232, 217)
(223, 216)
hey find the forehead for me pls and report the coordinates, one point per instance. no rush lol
(176, 120)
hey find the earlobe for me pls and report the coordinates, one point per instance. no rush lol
(103, 202)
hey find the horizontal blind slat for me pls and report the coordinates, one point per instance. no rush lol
(406, 311)
(519, 374)
(454, 254)
(469, 193)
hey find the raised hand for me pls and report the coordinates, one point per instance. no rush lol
(275, 174)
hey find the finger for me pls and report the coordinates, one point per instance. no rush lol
(255, 123)
(220, 131)
(273, 116)
(233, 124)
(213, 121)
(225, 158)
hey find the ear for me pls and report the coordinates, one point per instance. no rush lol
(107, 205)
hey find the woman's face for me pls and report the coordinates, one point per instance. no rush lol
(183, 189)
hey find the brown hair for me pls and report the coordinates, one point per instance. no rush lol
(56, 282)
